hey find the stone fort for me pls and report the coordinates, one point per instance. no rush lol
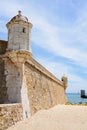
(22, 79)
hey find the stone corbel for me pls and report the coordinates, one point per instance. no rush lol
(18, 57)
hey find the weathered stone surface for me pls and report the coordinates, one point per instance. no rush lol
(44, 90)
(18, 56)
(19, 31)
(13, 82)
(9, 115)
(3, 89)
(65, 81)
(3, 46)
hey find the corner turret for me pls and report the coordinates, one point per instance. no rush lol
(19, 30)
(65, 81)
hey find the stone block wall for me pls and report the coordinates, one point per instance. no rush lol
(44, 90)
(3, 89)
(30, 83)
(3, 46)
(10, 82)
(9, 115)
(13, 82)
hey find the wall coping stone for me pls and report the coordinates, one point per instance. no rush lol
(42, 69)
(11, 104)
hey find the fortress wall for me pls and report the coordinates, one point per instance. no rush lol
(13, 82)
(3, 89)
(9, 115)
(3, 46)
(10, 82)
(44, 90)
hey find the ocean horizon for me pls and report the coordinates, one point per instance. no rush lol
(76, 98)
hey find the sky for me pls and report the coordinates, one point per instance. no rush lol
(59, 36)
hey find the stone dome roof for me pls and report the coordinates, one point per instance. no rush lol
(19, 17)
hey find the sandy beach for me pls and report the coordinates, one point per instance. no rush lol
(60, 117)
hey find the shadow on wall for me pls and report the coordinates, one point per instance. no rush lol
(3, 46)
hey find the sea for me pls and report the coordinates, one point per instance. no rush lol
(75, 98)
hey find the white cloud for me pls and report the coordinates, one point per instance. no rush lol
(75, 82)
(10, 7)
(47, 35)
(50, 40)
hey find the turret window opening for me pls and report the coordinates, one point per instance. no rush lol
(24, 30)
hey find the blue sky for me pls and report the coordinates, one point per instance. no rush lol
(59, 35)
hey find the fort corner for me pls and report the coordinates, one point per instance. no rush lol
(22, 79)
